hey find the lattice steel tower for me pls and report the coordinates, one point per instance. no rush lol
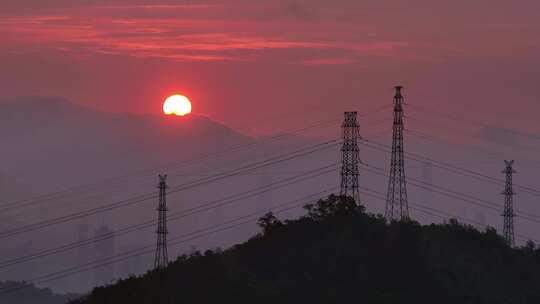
(508, 213)
(162, 259)
(350, 157)
(397, 207)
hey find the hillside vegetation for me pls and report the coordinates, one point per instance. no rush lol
(337, 253)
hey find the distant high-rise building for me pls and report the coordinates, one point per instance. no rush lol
(25, 270)
(104, 249)
(83, 233)
(82, 255)
(130, 266)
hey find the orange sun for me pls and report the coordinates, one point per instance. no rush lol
(177, 105)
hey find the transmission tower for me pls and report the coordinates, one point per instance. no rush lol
(161, 259)
(350, 158)
(508, 213)
(397, 207)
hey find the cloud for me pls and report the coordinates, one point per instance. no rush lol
(190, 32)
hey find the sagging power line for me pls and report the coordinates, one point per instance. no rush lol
(145, 197)
(397, 205)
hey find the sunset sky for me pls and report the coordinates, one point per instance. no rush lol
(244, 60)
(470, 71)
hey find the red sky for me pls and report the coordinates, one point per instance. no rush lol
(243, 60)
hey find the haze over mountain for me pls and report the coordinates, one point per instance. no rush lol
(47, 135)
(52, 144)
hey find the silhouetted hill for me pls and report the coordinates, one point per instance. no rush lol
(338, 254)
(22, 293)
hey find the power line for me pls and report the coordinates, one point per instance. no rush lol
(500, 181)
(436, 212)
(449, 167)
(188, 237)
(487, 178)
(175, 241)
(145, 197)
(205, 157)
(438, 140)
(176, 215)
(438, 164)
(423, 135)
(453, 194)
(82, 189)
(108, 180)
(10, 206)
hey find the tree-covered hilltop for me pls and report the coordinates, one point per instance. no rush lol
(12, 292)
(337, 253)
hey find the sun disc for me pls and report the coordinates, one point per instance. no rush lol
(177, 105)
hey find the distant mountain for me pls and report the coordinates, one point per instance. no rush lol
(23, 293)
(339, 254)
(50, 144)
(46, 135)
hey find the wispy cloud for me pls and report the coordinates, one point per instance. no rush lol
(202, 32)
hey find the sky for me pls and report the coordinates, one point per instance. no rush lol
(240, 61)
